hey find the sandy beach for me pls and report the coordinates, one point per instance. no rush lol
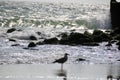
(53, 72)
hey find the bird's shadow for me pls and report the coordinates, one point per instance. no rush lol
(61, 73)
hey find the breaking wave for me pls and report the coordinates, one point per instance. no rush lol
(32, 14)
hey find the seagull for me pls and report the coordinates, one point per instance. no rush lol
(62, 60)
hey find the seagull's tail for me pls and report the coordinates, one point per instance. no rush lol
(54, 61)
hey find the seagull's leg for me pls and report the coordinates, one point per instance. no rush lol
(61, 67)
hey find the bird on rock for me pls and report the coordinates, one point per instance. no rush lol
(62, 60)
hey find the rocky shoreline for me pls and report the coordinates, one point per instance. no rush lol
(76, 38)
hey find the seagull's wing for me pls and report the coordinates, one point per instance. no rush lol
(58, 60)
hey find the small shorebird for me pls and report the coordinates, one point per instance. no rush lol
(62, 60)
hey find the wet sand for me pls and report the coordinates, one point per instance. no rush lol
(54, 72)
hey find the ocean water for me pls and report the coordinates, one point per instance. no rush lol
(51, 19)
(54, 15)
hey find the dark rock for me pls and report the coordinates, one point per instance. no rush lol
(86, 33)
(97, 35)
(118, 43)
(109, 44)
(33, 38)
(113, 41)
(106, 37)
(39, 43)
(97, 32)
(19, 62)
(26, 48)
(12, 40)
(119, 47)
(64, 42)
(100, 36)
(78, 38)
(15, 44)
(97, 38)
(11, 30)
(91, 44)
(80, 59)
(117, 37)
(116, 31)
(63, 35)
(39, 33)
(31, 44)
(51, 41)
(64, 38)
(118, 60)
(108, 31)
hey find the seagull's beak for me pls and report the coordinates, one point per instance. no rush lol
(67, 54)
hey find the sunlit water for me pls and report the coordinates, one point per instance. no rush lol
(54, 15)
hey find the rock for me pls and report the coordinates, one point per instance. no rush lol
(12, 40)
(86, 33)
(106, 37)
(117, 37)
(19, 62)
(97, 38)
(116, 31)
(100, 36)
(63, 35)
(118, 60)
(113, 41)
(26, 48)
(31, 44)
(51, 41)
(39, 43)
(15, 44)
(108, 31)
(91, 44)
(64, 38)
(119, 47)
(118, 43)
(80, 59)
(64, 41)
(78, 38)
(109, 44)
(39, 33)
(11, 30)
(97, 32)
(33, 38)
